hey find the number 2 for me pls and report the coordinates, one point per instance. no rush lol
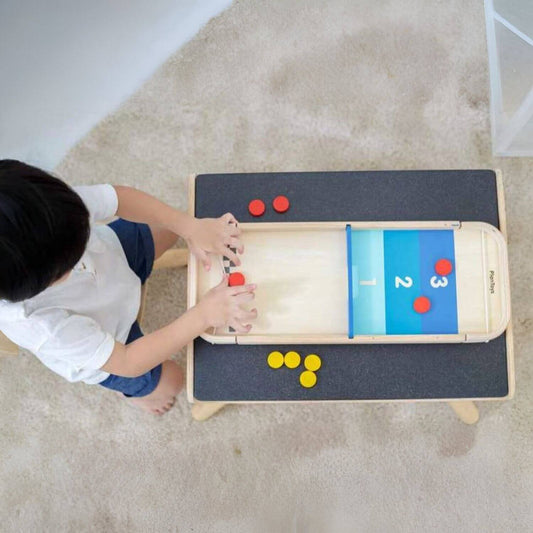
(408, 282)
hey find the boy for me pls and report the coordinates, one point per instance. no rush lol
(70, 291)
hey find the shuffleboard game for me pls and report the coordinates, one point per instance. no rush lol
(371, 282)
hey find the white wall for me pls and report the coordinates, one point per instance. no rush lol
(65, 64)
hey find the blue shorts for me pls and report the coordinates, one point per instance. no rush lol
(138, 245)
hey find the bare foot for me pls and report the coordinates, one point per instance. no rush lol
(162, 398)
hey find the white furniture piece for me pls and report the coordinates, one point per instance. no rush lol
(510, 49)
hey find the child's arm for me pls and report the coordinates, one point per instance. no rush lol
(221, 306)
(203, 236)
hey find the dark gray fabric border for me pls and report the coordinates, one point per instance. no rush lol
(355, 372)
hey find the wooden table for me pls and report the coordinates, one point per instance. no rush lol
(458, 374)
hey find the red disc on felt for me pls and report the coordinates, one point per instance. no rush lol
(443, 267)
(422, 304)
(256, 207)
(281, 204)
(236, 278)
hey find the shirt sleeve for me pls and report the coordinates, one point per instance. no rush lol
(79, 340)
(100, 200)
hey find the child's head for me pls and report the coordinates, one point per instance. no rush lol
(44, 228)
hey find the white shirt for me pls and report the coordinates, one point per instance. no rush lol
(72, 326)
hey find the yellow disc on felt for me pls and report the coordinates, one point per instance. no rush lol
(312, 362)
(275, 360)
(307, 379)
(292, 359)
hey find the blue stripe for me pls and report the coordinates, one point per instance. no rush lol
(350, 279)
(442, 317)
(402, 264)
(368, 282)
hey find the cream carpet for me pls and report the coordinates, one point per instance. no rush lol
(273, 86)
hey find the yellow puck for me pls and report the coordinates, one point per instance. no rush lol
(275, 359)
(312, 362)
(307, 379)
(292, 359)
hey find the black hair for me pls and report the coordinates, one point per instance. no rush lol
(44, 229)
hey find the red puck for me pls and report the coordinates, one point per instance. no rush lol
(236, 278)
(256, 207)
(443, 267)
(422, 304)
(281, 204)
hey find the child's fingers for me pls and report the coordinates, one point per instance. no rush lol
(244, 297)
(229, 219)
(246, 316)
(233, 230)
(235, 243)
(232, 256)
(231, 226)
(240, 328)
(203, 257)
(207, 262)
(240, 289)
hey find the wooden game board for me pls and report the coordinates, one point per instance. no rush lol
(355, 282)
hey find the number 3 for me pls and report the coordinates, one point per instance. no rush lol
(408, 282)
(436, 282)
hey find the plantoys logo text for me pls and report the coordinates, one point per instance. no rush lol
(491, 280)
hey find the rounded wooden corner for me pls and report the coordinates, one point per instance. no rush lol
(485, 226)
(218, 339)
(500, 330)
(510, 393)
(501, 243)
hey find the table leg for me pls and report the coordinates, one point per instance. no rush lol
(466, 411)
(203, 410)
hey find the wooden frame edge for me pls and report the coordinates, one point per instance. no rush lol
(509, 337)
(384, 400)
(191, 267)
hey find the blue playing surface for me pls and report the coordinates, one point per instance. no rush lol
(388, 270)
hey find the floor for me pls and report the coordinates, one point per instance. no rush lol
(274, 86)
(66, 64)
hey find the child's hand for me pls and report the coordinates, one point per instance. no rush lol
(221, 306)
(215, 235)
